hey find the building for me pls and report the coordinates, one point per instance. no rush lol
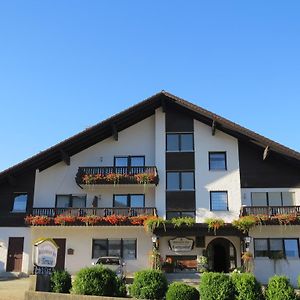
(167, 157)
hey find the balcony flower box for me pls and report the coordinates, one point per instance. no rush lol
(116, 175)
(37, 220)
(64, 220)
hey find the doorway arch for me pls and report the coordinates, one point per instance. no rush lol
(221, 255)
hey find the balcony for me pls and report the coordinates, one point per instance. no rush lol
(116, 175)
(270, 211)
(101, 212)
(90, 216)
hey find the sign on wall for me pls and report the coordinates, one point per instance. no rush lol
(181, 244)
(45, 253)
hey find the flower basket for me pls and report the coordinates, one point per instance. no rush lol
(115, 220)
(64, 220)
(37, 220)
(91, 220)
(139, 220)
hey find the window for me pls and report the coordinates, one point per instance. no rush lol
(180, 214)
(273, 198)
(114, 248)
(180, 181)
(218, 201)
(20, 202)
(130, 200)
(217, 161)
(261, 247)
(76, 201)
(129, 249)
(291, 247)
(259, 199)
(125, 248)
(129, 161)
(278, 247)
(180, 142)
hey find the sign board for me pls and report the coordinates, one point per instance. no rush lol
(45, 253)
(181, 244)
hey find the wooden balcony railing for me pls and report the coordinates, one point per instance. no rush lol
(116, 175)
(101, 212)
(270, 210)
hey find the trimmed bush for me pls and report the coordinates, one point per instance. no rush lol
(246, 287)
(60, 282)
(181, 291)
(216, 286)
(149, 284)
(279, 288)
(97, 281)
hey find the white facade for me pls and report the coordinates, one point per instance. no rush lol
(265, 267)
(80, 240)
(148, 138)
(60, 178)
(11, 232)
(208, 180)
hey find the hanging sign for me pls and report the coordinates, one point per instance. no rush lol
(181, 244)
(45, 253)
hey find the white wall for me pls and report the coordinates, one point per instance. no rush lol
(160, 160)
(6, 233)
(60, 178)
(246, 193)
(207, 180)
(80, 239)
(265, 267)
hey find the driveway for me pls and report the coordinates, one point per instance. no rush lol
(13, 289)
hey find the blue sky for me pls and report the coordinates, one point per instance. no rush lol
(66, 65)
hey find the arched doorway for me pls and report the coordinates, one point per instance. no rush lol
(221, 255)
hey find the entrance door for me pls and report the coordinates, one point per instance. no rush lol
(221, 255)
(61, 254)
(15, 254)
(220, 259)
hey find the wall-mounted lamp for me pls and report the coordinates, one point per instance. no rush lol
(247, 240)
(155, 241)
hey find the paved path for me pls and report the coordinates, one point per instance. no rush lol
(13, 289)
(189, 278)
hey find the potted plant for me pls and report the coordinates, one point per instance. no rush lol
(245, 223)
(214, 224)
(247, 259)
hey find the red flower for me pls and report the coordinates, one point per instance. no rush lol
(64, 219)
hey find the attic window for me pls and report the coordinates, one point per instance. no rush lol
(20, 202)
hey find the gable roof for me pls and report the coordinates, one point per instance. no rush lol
(137, 113)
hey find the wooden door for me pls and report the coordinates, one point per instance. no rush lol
(15, 254)
(61, 254)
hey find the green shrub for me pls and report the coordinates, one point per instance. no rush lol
(60, 282)
(181, 291)
(149, 284)
(279, 288)
(97, 281)
(246, 287)
(216, 286)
